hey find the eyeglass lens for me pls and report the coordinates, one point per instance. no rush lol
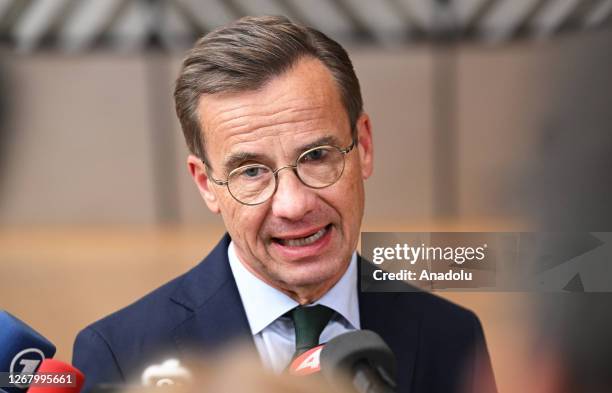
(317, 168)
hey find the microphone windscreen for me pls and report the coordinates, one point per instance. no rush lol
(69, 379)
(344, 351)
(22, 349)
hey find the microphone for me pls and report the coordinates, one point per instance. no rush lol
(168, 373)
(22, 350)
(361, 355)
(57, 377)
(307, 363)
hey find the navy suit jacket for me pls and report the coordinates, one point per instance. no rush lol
(438, 345)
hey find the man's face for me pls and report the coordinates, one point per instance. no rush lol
(300, 240)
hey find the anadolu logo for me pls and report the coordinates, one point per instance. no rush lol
(26, 362)
(307, 363)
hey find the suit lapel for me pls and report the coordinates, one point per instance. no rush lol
(399, 326)
(216, 315)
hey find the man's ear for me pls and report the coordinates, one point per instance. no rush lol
(198, 173)
(365, 146)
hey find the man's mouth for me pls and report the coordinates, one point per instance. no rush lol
(303, 241)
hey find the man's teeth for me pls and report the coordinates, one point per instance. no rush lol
(304, 241)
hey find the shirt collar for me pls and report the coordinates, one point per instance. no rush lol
(342, 297)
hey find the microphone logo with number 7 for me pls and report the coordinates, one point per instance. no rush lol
(26, 362)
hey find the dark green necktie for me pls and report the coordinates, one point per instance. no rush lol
(309, 323)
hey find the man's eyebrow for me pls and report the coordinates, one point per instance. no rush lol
(235, 159)
(325, 140)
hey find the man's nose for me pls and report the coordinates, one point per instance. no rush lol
(292, 200)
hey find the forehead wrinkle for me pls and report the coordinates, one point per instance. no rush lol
(258, 98)
(237, 137)
(259, 130)
(257, 102)
(261, 119)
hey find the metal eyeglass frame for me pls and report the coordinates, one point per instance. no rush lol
(225, 182)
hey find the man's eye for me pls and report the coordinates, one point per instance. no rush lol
(253, 172)
(315, 155)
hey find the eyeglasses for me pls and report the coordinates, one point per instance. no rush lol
(317, 168)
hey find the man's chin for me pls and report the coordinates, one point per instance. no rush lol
(315, 276)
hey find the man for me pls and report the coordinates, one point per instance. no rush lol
(280, 147)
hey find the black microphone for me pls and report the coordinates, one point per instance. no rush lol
(361, 355)
(22, 350)
(364, 357)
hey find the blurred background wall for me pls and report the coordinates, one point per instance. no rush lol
(488, 115)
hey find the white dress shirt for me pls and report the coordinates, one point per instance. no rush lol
(273, 333)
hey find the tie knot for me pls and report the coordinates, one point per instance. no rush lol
(309, 324)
